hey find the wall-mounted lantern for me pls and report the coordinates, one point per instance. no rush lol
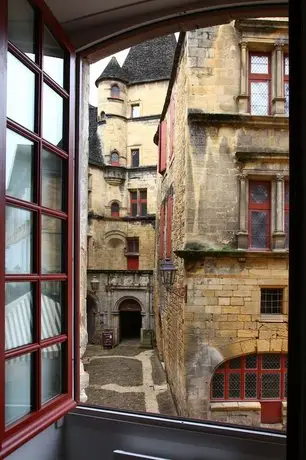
(168, 272)
(95, 283)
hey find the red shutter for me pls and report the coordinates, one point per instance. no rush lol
(169, 226)
(172, 128)
(162, 231)
(162, 146)
(132, 262)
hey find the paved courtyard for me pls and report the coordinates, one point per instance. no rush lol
(127, 377)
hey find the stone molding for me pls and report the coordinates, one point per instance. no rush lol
(232, 406)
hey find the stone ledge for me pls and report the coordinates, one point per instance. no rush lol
(273, 318)
(238, 119)
(194, 254)
(235, 405)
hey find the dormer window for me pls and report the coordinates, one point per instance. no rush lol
(115, 91)
(115, 159)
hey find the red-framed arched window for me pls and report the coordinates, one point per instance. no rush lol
(251, 377)
(115, 209)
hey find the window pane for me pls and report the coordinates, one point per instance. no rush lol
(259, 64)
(18, 315)
(259, 193)
(270, 386)
(271, 361)
(135, 157)
(251, 362)
(20, 103)
(250, 387)
(143, 194)
(52, 308)
(259, 229)
(143, 209)
(286, 91)
(18, 241)
(271, 301)
(53, 58)
(135, 110)
(259, 98)
(217, 386)
(134, 209)
(235, 363)
(52, 180)
(21, 26)
(285, 385)
(51, 245)
(19, 166)
(53, 108)
(133, 195)
(19, 376)
(286, 65)
(52, 374)
(234, 386)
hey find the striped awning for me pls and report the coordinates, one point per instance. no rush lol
(19, 322)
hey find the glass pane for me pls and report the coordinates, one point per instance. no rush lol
(234, 386)
(235, 363)
(18, 241)
(271, 361)
(286, 65)
(259, 98)
(271, 302)
(20, 103)
(19, 166)
(21, 26)
(51, 372)
(19, 375)
(285, 385)
(18, 315)
(51, 308)
(143, 209)
(53, 107)
(135, 157)
(143, 194)
(250, 388)
(259, 64)
(259, 193)
(51, 255)
(270, 386)
(217, 386)
(259, 229)
(53, 58)
(251, 362)
(133, 195)
(52, 180)
(134, 209)
(286, 91)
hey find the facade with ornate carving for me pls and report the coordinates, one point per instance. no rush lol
(122, 192)
(223, 207)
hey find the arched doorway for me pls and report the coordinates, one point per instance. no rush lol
(130, 319)
(91, 310)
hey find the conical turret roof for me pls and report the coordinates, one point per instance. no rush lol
(112, 71)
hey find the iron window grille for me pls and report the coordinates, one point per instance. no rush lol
(271, 301)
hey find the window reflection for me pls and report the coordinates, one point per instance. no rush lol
(21, 26)
(18, 314)
(51, 308)
(19, 166)
(53, 107)
(53, 58)
(51, 245)
(18, 247)
(52, 176)
(52, 374)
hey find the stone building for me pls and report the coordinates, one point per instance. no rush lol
(223, 204)
(122, 191)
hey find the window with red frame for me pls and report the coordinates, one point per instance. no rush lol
(286, 83)
(115, 159)
(38, 242)
(287, 191)
(253, 377)
(115, 209)
(132, 253)
(259, 214)
(260, 83)
(162, 231)
(171, 134)
(162, 146)
(169, 226)
(138, 203)
(115, 91)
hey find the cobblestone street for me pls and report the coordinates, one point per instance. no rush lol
(127, 377)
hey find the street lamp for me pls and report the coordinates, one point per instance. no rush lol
(95, 283)
(168, 272)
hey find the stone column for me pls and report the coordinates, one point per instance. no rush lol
(243, 230)
(278, 101)
(243, 98)
(279, 233)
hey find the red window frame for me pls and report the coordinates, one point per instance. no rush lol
(136, 197)
(286, 215)
(162, 147)
(225, 370)
(286, 77)
(169, 226)
(260, 77)
(143, 200)
(266, 206)
(115, 209)
(133, 201)
(42, 415)
(172, 125)
(162, 231)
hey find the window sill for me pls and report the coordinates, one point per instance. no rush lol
(273, 318)
(235, 405)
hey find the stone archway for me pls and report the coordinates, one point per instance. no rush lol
(130, 320)
(91, 310)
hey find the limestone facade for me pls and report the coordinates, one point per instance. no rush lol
(220, 152)
(122, 190)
